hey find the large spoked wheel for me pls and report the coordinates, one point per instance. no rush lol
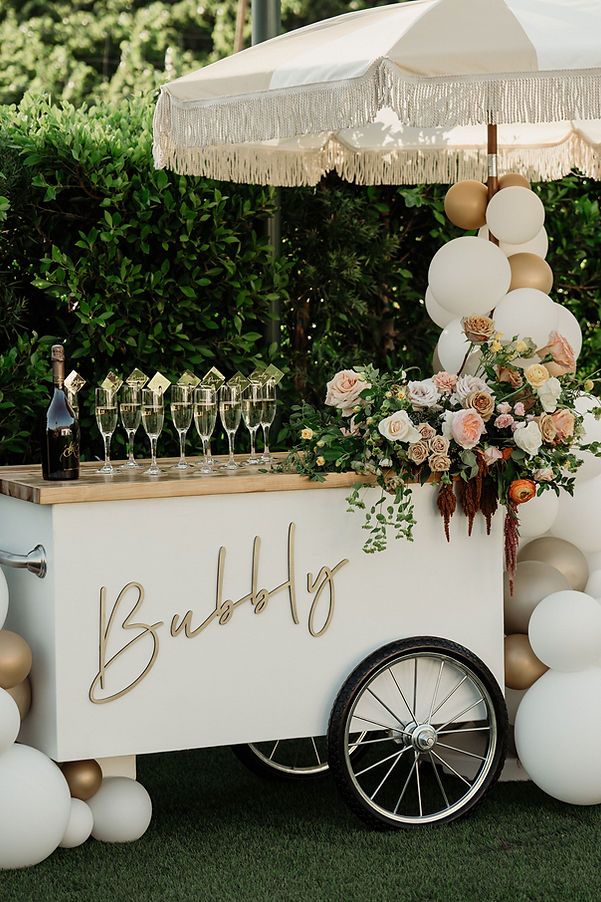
(286, 759)
(430, 721)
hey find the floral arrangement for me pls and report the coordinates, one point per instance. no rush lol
(497, 436)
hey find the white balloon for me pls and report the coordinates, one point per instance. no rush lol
(537, 516)
(591, 465)
(538, 245)
(579, 516)
(555, 711)
(533, 581)
(565, 631)
(35, 805)
(593, 586)
(121, 809)
(515, 215)
(569, 327)
(453, 346)
(593, 559)
(10, 721)
(3, 598)
(437, 314)
(80, 825)
(527, 313)
(469, 276)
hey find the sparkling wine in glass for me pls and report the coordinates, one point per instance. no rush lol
(106, 417)
(230, 411)
(268, 409)
(131, 414)
(153, 417)
(252, 409)
(181, 414)
(205, 417)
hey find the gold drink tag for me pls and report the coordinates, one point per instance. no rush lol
(74, 382)
(214, 379)
(159, 383)
(259, 376)
(188, 379)
(137, 379)
(112, 382)
(240, 380)
(273, 373)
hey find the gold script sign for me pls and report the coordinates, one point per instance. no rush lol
(126, 614)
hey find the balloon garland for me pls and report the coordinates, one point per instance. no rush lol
(44, 806)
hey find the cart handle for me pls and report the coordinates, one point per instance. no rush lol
(35, 561)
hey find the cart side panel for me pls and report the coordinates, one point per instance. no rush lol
(129, 679)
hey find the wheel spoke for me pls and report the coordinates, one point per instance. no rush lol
(381, 761)
(384, 705)
(436, 690)
(461, 713)
(376, 724)
(452, 769)
(396, 808)
(438, 780)
(419, 789)
(462, 730)
(388, 773)
(415, 696)
(412, 713)
(462, 751)
(447, 697)
(315, 750)
(362, 742)
(273, 750)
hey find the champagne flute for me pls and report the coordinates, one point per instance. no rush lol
(131, 414)
(205, 416)
(230, 411)
(181, 414)
(252, 408)
(153, 417)
(268, 409)
(106, 417)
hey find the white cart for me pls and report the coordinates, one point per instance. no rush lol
(189, 612)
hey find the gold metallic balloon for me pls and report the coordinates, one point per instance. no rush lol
(83, 778)
(522, 667)
(22, 695)
(513, 180)
(465, 204)
(562, 555)
(15, 659)
(530, 271)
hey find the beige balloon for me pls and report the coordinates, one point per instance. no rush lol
(15, 659)
(436, 364)
(465, 204)
(83, 778)
(562, 555)
(533, 581)
(22, 695)
(512, 180)
(530, 271)
(522, 667)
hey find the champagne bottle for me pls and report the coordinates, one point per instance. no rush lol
(60, 429)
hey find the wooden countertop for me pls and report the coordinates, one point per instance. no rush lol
(26, 484)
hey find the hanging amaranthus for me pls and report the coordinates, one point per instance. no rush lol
(447, 504)
(512, 541)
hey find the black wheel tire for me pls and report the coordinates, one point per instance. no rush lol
(362, 674)
(260, 766)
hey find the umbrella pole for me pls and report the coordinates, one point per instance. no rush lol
(493, 176)
(266, 24)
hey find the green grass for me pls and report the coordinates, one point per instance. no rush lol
(220, 833)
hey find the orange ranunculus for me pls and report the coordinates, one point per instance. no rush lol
(506, 452)
(521, 490)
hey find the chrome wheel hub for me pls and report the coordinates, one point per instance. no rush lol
(422, 736)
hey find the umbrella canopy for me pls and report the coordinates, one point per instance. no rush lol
(383, 95)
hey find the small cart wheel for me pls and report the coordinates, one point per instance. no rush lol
(286, 759)
(431, 723)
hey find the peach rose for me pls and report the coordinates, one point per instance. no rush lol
(464, 426)
(536, 374)
(417, 452)
(545, 474)
(547, 427)
(439, 444)
(478, 329)
(483, 402)
(344, 389)
(492, 455)
(503, 421)
(563, 359)
(522, 490)
(439, 463)
(426, 431)
(564, 421)
(445, 382)
(510, 375)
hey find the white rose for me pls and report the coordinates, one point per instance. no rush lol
(423, 394)
(344, 389)
(528, 438)
(398, 428)
(548, 394)
(543, 475)
(466, 385)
